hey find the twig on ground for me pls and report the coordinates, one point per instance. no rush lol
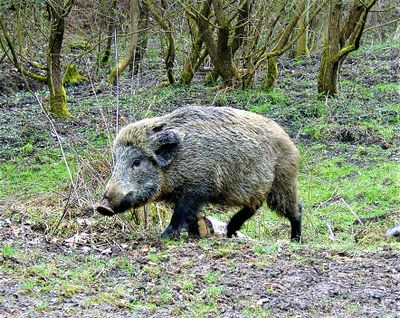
(331, 235)
(159, 217)
(333, 197)
(351, 210)
(66, 206)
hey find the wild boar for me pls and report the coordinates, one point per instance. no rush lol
(205, 155)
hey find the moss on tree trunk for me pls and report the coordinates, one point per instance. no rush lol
(272, 74)
(72, 75)
(340, 40)
(58, 102)
(58, 98)
(223, 61)
(328, 73)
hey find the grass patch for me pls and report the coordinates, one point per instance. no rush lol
(388, 87)
(260, 109)
(33, 178)
(8, 251)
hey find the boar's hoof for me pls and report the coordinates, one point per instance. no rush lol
(170, 233)
(105, 209)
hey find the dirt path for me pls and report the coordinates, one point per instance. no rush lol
(117, 276)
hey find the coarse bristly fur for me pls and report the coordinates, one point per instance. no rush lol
(199, 155)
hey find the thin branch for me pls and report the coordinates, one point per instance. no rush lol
(239, 9)
(358, 32)
(384, 9)
(352, 212)
(380, 25)
(67, 7)
(14, 57)
(198, 14)
(116, 80)
(53, 127)
(65, 211)
(218, 10)
(276, 51)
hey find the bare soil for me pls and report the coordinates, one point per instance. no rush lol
(289, 281)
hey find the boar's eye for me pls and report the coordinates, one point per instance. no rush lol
(136, 163)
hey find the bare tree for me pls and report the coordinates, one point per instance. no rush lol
(133, 42)
(57, 11)
(160, 15)
(229, 25)
(342, 37)
(278, 40)
(241, 37)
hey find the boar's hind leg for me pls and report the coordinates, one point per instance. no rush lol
(283, 199)
(185, 215)
(238, 219)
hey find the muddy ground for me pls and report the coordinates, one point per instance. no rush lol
(227, 279)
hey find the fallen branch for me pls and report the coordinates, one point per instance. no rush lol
(377, 217)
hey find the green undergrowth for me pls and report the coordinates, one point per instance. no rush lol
(376, 47)
(26, 180)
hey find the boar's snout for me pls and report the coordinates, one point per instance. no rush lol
(105, 207)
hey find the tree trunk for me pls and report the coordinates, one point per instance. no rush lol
(212, 77)
(283, 44)
(142, 36)
(166, 25)
(329, 70)
(328, 75)
(58, 97)
(340, 40)
(272, 74)
(170, 58)
(190, 63)
(111, 26)
(224, 60)
(130, 54)
(302, 41)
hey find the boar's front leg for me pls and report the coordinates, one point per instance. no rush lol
(184, 216)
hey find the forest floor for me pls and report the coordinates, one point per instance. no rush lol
(91, 266)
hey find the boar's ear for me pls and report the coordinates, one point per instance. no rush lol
(165, 144)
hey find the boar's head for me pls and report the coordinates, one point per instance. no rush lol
(140, 156)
